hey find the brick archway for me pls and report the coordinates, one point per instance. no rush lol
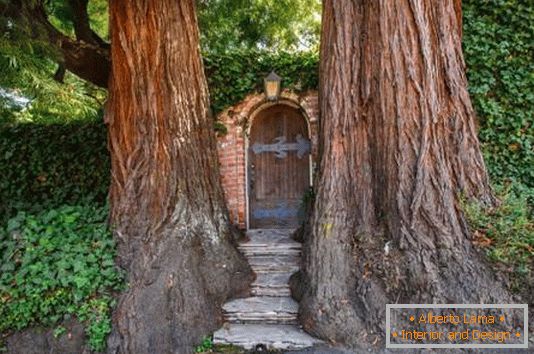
(232, 146)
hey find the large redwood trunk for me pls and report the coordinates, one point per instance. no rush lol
(399, 147)
(167, 209)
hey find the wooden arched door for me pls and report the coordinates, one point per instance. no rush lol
(278, 167)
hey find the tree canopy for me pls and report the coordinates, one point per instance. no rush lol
(275, 25)
(37, 35)
(240, 39)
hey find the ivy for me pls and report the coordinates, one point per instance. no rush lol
(56, 264)
(44, 166)
(57, 260)
(499, 47)
(506, 231)
(47, 165)
(233, 75)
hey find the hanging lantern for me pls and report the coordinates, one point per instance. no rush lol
(273, 85)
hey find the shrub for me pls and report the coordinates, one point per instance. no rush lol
(55, 264)
(206, 345)
(44, 166)
(233, 75)
(499, 47)
(47, 165)
(506, 231)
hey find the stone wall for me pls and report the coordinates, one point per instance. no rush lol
(232, 145)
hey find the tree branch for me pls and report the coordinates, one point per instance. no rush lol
(60, 73)
(82, 28)
(90, 60)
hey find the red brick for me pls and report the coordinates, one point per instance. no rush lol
(231, 147)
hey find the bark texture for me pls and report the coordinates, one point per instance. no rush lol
(399, 146)
(167, 208)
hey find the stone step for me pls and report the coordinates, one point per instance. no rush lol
(259, 318)
(261, 309)
(277, 245)
(248, 336)
(280, 263)
(269, 237)
(272, 246)
(272, 280)
(268, 251)
(271, 284)
(288, 244)
(270, 292)
(279, 319)
(259, 241)
(270, 234)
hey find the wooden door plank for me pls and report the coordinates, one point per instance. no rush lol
(279, 176)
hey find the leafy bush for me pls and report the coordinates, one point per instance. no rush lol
(233, 75)
(506, 231)
(499, 47)
(44, 166)
(47, 165)
(24, 73)
(27, 67)
(58, 263)
(205, 346)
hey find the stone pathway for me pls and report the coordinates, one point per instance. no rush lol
(269, 316)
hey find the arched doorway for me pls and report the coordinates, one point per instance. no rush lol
(278, 167)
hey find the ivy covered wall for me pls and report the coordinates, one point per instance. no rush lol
(67, 163)
(498, 48)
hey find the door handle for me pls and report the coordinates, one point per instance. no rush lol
(251, 176)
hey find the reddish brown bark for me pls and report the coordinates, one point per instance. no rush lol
(399, 147)
(167, 208)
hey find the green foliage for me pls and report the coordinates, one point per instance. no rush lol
(205, 346)
(273, 25)
(62, 16)
(499, 47)
(27, 67)
(44, 166)
(56, 264)
(507, 231)
(57, 260)
(233, 75)
(59, 331)
(99, 17)
(47, 165)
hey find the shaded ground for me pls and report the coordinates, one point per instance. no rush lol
(328, 349)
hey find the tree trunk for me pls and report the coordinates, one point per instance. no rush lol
(399, 147)
(167, 209)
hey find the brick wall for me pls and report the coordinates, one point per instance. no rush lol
(231, 146)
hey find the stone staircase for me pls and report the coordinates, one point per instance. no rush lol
(269, 316)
